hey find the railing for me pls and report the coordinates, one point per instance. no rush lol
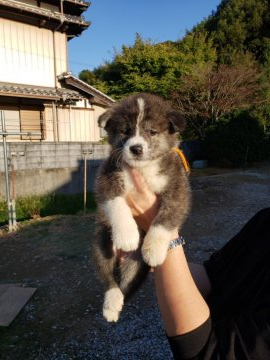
(45, 12)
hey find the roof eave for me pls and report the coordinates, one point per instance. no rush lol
(54, 20)
(29, 96)
(97, 97)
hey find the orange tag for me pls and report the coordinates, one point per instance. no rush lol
(183, 158)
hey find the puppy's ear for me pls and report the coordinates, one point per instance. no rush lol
(103, 120)
(177, 121)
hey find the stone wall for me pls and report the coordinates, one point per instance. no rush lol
(42, 168)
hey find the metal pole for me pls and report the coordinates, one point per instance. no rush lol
(12, 180)
(14, 217)
(9, 205)
(85, 153)
(12, 223)
(84, 183)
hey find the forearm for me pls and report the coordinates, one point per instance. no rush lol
(181, 304)
(201, 279)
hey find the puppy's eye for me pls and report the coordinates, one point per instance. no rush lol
(152, 132)
(126, 132)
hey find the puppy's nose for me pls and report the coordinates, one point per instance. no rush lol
(136, 149)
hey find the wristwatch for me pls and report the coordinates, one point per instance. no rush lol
(176, 242)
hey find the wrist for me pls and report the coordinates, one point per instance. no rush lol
(175, 234)
(176, 242)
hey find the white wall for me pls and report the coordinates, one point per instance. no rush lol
(27, 54)
(73, 124)
(60, 54)
(48, 119)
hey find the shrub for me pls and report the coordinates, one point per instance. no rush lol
(236, 140)
(43, 205)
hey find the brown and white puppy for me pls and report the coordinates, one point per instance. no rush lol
(142, 131)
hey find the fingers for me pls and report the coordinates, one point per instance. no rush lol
(142, 201)
(135, 207)
(139, 181)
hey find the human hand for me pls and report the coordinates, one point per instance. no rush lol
(142, 201)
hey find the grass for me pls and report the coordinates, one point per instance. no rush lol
(36, 206)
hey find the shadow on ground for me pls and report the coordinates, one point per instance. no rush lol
(63, 319)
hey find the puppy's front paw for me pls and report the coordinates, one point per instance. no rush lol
(154, 253)
(126, 236)
(113, 303)
(155, 245)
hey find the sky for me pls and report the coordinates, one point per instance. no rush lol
(115, 22)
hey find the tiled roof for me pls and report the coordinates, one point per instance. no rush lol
(97, 96)
(38, 92)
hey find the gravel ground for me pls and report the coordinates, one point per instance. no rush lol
(63, 320)
(222, 204)
(133, 337)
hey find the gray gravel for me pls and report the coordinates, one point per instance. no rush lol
(133, 337)
(221, 206)
(222, 203)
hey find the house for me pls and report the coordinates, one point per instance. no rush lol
(37, 91)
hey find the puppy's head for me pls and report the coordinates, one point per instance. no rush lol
(142, 128)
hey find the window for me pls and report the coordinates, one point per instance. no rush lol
(12, 121)
(31, 122)
(23, 120)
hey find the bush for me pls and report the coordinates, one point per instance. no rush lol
(38, 206)
(237, 140)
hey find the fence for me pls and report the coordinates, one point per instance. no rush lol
(42, 168)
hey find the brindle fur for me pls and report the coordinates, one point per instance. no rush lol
(174, 198)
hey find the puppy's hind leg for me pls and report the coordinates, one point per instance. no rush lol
(106, 261)
(130, 274)
(113, 303)
(133, 272)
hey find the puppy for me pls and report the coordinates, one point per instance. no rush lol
(142, 131)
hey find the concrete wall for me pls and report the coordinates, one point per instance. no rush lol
(41, 168)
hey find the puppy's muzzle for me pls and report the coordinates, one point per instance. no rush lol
(136, 149)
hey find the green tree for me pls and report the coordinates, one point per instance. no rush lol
(198, 47)
(236, 140)
(143, 67)
(92, 79)
(87, 76)
(239, 26)
(155, 68)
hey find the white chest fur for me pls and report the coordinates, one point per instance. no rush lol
(151, 174)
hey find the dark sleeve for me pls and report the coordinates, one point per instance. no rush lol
(244, 337)
(189, 345)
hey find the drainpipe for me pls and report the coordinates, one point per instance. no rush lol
(55, 110)
(54, 56)
(55, 122)
(61, 6)
(54, 44)
(69, 120)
